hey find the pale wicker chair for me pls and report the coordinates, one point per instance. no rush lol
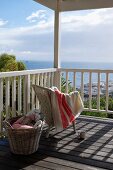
(42, 94)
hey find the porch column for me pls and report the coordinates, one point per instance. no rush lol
(57, 36)
(57, 45)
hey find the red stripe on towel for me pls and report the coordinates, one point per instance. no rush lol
(63, 117)
(67, 109)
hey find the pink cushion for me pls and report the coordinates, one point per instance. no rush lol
(19, 126)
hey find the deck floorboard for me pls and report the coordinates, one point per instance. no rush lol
(65, 151)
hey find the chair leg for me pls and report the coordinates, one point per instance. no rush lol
(47, 132)
(74, 126)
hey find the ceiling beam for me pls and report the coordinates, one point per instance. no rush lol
(72, 5)
(52, 4)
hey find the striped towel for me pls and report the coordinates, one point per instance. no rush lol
(65, 108)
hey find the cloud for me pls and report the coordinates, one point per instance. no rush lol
(38, 15)
(85, 36)
(80, 20)
(3, 22)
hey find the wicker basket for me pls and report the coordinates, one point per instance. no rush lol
(22, 141)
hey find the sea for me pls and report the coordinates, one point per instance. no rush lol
(30, 65)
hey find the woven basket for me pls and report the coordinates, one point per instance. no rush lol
(22, 141)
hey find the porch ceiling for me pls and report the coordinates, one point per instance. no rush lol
(72, 5)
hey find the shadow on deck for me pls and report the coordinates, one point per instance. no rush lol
(65, 150)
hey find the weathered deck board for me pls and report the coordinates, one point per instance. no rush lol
(65, 151)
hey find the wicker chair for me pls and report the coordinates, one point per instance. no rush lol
(42, 94)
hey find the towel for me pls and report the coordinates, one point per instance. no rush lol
(65, 108)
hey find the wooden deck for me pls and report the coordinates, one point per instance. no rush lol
(65, 151)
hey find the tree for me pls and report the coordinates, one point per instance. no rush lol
(8, 63)
(21, 66)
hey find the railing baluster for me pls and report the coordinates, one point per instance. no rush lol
(37, 83)
(19, 94)
(52, 79)
(48, 79)
(107, 92)
(90, 90)
(14, 96)
(66, 90)
(37, 79)
(59, 80)
(45, 79)
(82, 86)
(1, 103)
(98, 96)
(41, 79)
(74, 81)
(26, 94)
(33, 93)
(7, 97)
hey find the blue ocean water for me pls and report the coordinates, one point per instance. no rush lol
(30, 65)
(78, 65)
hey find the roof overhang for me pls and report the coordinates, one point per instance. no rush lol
(72, 5)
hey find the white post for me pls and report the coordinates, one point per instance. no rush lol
(57, 44)
(56, 37)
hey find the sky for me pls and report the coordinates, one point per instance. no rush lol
(27, 31)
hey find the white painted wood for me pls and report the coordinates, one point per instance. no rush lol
(7, 97)
(1, 103)
(107, 72)
(82, 86)
(48, 80)
(74, 81)
(52, 79)
(90, 90)
(48, 76)
(45, 79)
(33, 93)
(26, 94)
(37, 79)
(41, 79)
(14, 96)
(107, 93)
(66, 82)
(26, 72)
(59, 80)
(37, 83)
(19, 94)
(86, 70)
(56, 37)
(72, 5)
(98, 96)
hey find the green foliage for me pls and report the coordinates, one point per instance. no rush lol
(63, 85)
(21, 66)
(9, 63)
(96, 114)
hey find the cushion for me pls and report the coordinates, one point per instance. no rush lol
(19, 126)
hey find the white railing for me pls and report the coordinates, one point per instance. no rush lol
(16, 92)
(17, 95)
(92, 84)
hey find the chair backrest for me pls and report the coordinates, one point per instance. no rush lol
(42, 94)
